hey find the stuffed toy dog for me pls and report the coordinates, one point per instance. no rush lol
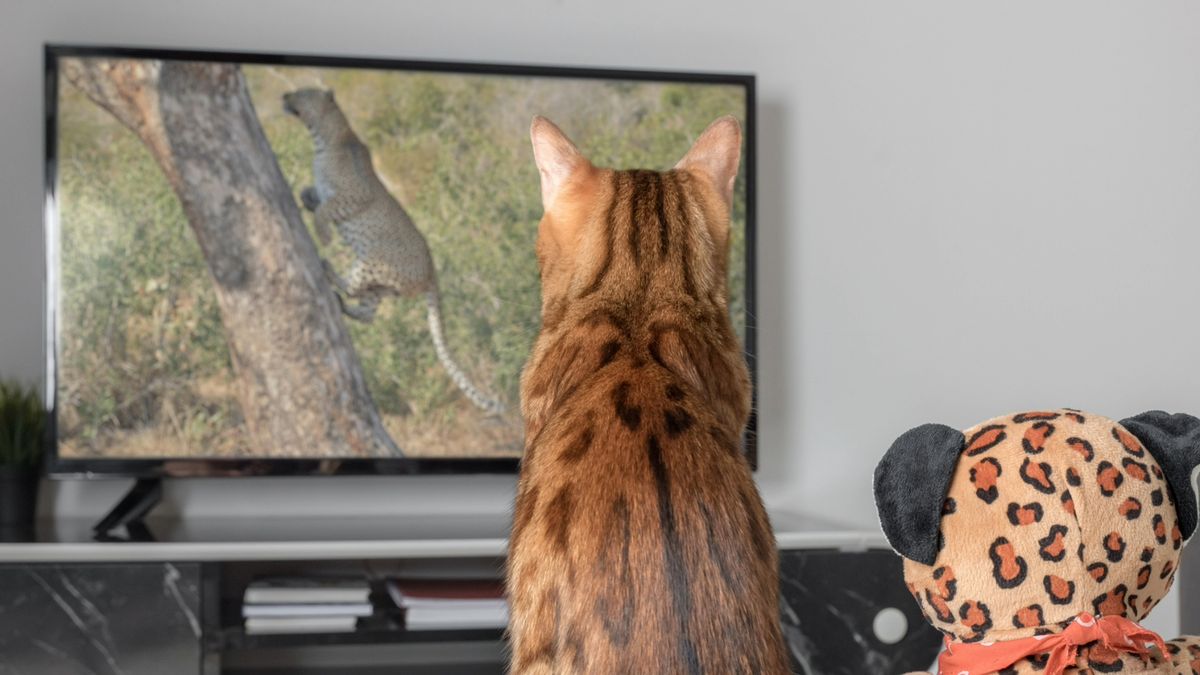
(1036, 542)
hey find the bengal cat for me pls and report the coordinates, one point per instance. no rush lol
(639, 541)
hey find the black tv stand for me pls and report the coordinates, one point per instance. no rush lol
(130, 513)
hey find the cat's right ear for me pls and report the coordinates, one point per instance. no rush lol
(556, 156)
(911, 482)
(716, 155)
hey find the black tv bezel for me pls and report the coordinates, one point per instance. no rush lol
(59, 467)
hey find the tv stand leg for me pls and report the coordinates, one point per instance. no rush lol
(129, 512)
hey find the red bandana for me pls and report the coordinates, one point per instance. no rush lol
(1115, 632)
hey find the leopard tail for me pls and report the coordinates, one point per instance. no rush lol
(433, 301)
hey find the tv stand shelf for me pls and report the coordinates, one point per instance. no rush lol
(373, 537)
(384, 626)
(235, 637)
(177, 600)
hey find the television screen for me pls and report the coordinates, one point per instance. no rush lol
(257, 258)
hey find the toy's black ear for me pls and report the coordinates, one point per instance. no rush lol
(1174, 440)
(910, 488)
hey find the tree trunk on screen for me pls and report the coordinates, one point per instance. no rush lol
(300, 384)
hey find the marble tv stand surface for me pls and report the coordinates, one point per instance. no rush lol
(374, 537)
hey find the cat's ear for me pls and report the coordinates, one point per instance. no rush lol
(715, 155)
(556, 156)
(1174, 442)
(911, 482)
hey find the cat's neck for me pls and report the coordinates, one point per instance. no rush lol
(580, 344)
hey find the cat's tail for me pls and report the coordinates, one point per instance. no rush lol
(433, 301)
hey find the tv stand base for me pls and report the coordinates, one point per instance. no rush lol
(130, 513)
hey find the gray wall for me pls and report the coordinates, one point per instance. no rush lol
(966, 208)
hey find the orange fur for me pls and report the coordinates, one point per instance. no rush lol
(639, 542)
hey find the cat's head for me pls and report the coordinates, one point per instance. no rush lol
(636, 258)
(608, 232)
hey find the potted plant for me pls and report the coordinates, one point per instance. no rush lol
(22, 440)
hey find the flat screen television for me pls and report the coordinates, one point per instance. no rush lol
(192, 324)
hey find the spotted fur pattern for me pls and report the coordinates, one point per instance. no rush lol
(391, 257)
(1050, 514)
(639, 542)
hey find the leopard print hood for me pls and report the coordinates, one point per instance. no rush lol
(1019, 524)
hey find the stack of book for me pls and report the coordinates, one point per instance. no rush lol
(305, 605)
(450, 604)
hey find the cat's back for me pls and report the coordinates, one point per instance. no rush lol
(644, 525)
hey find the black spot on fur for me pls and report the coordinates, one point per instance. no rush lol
(1058, 596)
(985, 439)
(608, 352)
(1084, 448)
(674, 393)
(630, 415)
(1167, 570)
(1034, 619)
(1136, 470)
(579, 446)
(988, 492)
(1057, 534)
(1017, 513)
(676, 421)
(1038, 475)
(979, 625)
(1143, 577)
(1114, 547)
(951, 585)
(1046, 429)
(1000, 563)
(1108, 478)
(558, 518)
(1160, 528)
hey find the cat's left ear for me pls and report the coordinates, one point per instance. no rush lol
(715, 155)
(1174, 441)
(556, 156)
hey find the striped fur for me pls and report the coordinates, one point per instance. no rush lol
(639, 542)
